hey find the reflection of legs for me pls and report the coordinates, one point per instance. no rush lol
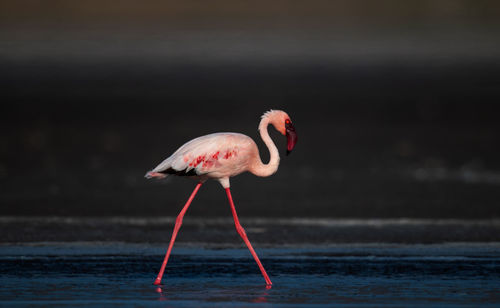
(243, 235)
(178, 223)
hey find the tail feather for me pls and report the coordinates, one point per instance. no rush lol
(151, 174)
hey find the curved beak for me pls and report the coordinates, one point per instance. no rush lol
(291, 138)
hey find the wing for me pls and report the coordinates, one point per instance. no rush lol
(201, 155)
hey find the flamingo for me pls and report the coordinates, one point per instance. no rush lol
(220, 156)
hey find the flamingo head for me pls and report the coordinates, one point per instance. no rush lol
(281, 121)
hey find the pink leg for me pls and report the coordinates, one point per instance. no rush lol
(178, 223)
(243, 235)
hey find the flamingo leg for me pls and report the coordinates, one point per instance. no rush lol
(243, 235)
(178, 223)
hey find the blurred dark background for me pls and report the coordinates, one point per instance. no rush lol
(396, 104)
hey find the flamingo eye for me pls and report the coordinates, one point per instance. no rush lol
(287, 121)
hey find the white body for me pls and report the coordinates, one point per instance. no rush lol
(222, 155)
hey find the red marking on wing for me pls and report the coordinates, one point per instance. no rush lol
(208, 161)
(230, 153)
(198, 160)
(208, 164)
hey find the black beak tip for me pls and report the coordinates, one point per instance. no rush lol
(288, 152)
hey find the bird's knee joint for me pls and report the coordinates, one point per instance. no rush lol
(240, 230)
(178, 221)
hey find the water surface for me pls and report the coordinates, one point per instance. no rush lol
(221, 272)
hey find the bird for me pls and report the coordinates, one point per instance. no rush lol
(220, 156)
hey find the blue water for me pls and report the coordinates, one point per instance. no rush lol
(121, 274)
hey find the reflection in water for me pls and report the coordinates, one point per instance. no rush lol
(217, 292)
(374, 274)
(265, 294)
(160, 292)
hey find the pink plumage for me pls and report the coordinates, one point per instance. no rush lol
(212, 156)
(223, 155)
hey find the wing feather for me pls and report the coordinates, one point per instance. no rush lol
(189, 158)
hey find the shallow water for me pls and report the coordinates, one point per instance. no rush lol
(221, 272)
(82, 274)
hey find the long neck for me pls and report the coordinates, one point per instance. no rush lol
(259, 168)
